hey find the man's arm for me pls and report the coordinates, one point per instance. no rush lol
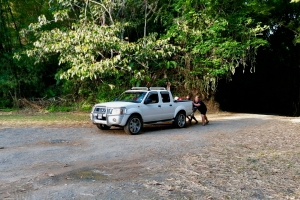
(197, 104)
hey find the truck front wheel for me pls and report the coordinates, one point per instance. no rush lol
(134, 125)
(180, 120)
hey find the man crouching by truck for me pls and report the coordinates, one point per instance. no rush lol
(199, 105)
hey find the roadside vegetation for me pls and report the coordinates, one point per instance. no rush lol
(43, 118)
(90, 51)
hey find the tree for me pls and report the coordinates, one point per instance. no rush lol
(276, 81)
(296, 27)
(216, 37)
(16, 75)
(94, 44)
(209, 39)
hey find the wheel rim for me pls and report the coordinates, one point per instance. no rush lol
(135, 125)
(181, 120)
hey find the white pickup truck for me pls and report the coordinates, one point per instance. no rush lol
(139, 106)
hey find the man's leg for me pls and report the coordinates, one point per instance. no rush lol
(195, 120)
(203, 119)
(190, 119)
(206, 119)
(193, 115)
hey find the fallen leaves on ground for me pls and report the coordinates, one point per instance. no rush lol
(261, 162)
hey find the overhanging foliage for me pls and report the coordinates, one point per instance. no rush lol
(94, 43)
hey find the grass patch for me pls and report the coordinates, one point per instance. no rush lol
(16, 118)
(7, 109)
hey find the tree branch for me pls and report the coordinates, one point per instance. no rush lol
(111, 19)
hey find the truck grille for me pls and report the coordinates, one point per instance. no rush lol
(101, 110)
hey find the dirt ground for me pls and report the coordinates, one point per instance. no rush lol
(236, 156)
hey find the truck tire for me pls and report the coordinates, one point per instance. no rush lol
(133, 125)
(103, 126)
(180, 120)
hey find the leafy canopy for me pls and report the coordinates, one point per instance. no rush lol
(94, 43)
(201, 41)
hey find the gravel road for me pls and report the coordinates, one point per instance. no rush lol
(88, 163)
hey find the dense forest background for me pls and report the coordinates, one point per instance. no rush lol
(243, 55)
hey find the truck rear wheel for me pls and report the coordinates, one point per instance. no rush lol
(134, 125)
(180, 120)
(103, 126)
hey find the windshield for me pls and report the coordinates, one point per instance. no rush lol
(135, 97)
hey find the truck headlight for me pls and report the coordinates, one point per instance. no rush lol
(116, 111)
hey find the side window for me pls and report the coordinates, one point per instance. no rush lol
(165, 97)
(153, 97)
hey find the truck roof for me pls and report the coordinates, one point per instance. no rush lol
(147, 89)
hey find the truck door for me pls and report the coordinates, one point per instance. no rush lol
(167, 106)
(151, 111)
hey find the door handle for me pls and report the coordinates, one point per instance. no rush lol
(170, 105)
(159, 105)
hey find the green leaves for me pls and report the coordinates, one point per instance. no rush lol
(217, 37)
(198, 43)
(91, 50)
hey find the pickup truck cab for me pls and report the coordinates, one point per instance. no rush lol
(139, 106)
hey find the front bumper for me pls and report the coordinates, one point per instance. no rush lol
(109, 120)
